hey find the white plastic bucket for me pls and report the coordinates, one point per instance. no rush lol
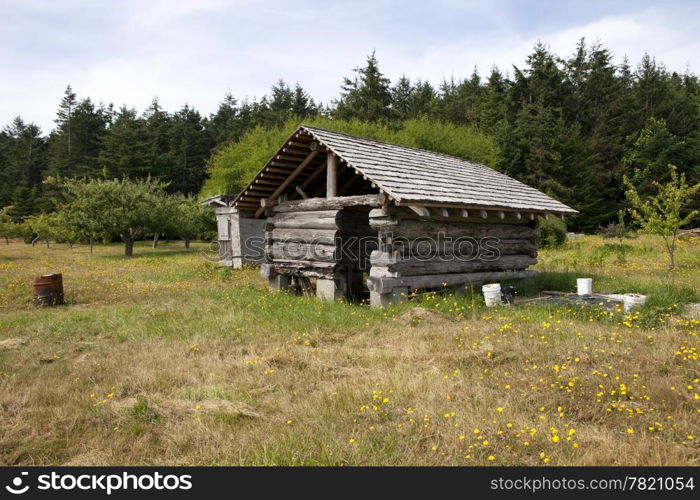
(492, 294)
(584, 286)
(632, 300)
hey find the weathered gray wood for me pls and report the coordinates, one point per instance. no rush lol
(453, 215)
(383, 211)
(305, 235)
(370, 200)
(301, 251)
(420, 211)
(412, 229)
(426, 247)
(331, 176)
(320, 223)
(303, 268)
(319, 219)
(308, 214)
(412, 267)
(386, 285)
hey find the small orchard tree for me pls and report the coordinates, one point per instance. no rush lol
(190, 218)
(41, 227)
(168, 218)
(8, 227)
(77, 220)
(129, 209)
(664, 213)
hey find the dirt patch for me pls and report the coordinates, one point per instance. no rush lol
(419, 315)
(12, 343)
(692, 311)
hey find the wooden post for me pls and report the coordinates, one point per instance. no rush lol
(331, 176)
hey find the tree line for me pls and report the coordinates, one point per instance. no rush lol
(101, 210)
(570, 126)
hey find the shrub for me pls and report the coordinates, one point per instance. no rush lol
(552, 232)
(234, 164)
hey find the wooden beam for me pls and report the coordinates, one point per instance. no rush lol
(282, 164)
(465, 213)
(274, 170)
(267, 175)
(483, 214)
(301, 192)
(313, 175)
(265, 181)
(433, 204)
(331, 176)
(288, 157)
(369, 200)
(443, 212)
(258, 192)
(289, 179)
(267, 203)
(340, 171)
(421, 211)
(294, 151)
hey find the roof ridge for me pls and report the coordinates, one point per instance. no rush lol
(393, 144)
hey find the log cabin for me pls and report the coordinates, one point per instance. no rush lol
(358, 217)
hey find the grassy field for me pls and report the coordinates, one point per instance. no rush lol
(165, 359)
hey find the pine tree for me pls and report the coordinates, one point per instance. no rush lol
(303, 105)
(64, 117)
(158, 124)
(367, 96)
(648, 158)
(74, 144)
(224, 125)
(279, 108)
(190, 145)
(492, 112)
(422, 101)
(24, 202)
(124, 150)
(401, 98)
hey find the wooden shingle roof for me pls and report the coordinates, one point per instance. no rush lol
(408, 176)
(415, 176)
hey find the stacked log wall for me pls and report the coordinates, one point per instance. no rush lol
(319, 238)
(424, 252)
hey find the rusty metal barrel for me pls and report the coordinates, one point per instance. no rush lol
(48, 290)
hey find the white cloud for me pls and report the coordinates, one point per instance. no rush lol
(194, 51)
(671, 40)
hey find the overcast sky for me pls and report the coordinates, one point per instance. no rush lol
(194, 51)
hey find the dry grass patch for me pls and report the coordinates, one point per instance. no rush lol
(218, 371)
